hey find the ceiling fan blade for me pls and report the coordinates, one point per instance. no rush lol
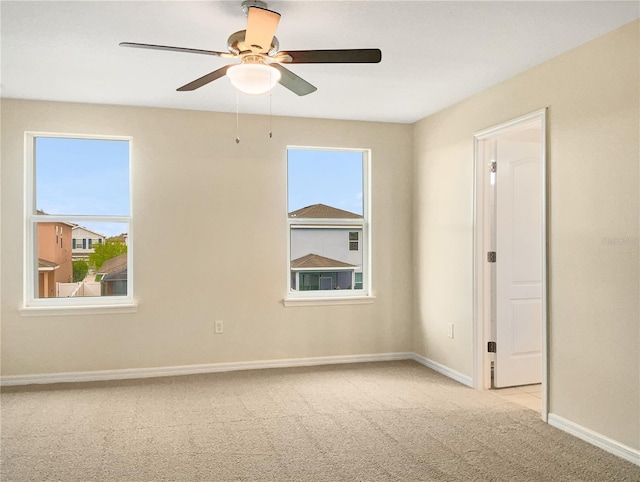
(175, 49)
(205, 79)
(261, 27)
(345, 56)
(295, 84)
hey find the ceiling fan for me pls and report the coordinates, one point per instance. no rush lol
(257, 48)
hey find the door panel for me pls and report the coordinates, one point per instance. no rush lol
(526, 339)
(519, 263)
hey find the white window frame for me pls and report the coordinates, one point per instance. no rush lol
(322, 297)
(34, 306)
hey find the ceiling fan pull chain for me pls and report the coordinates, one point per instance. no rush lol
(270, 117)
(237, 118)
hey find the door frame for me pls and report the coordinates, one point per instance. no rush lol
(481, 269)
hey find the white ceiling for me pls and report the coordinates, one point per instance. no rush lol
(433, 53)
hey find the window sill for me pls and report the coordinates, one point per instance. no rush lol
(351, 300)
(78, 310)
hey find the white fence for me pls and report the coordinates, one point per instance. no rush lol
(83, 288)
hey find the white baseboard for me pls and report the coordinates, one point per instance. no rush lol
(444, 370)
(594, 438)
(132, 373)
(70, 377)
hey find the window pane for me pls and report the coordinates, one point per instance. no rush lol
(82, 176)
(65, 271)
(330, 178)
(323, 248)
(326, 185)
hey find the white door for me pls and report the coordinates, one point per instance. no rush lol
(519, 263)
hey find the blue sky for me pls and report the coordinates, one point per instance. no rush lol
(85, 177)
(333, 178)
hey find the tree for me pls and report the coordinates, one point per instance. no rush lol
(107, 250)
(80, 270)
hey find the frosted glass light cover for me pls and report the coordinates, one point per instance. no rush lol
(253, 79)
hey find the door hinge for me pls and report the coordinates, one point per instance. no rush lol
(491, 256)
(493, 166)
(491, 347)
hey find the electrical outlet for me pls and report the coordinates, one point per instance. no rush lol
(219, 327)
(450, 330)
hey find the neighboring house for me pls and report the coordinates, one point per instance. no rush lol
(314, 272)
(46, 278)
(113, 276)
(54, 257)
(83, 242)
(327, 256)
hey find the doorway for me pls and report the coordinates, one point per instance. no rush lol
(510, 279)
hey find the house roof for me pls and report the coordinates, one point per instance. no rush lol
(114, 264)
(46, 265)
(122, 237)
(312, 261)
(77, 226)
(118, 275)
(323, 211)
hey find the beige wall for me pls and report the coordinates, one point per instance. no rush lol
(189, 176)
(593, 184)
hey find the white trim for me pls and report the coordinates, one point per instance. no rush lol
(34, 306)
(45, 268)
(30, 256)
(87, 309)
(74, 220)
(594, 438)
(363, 223)
(328, 268)
(328, 301)
(481, 330)
(491, 131)
(444, 370)
(195, 369)
(319, 223)
(544, 408)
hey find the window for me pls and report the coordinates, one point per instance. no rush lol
(353, 241)
(358, 281)
(76, 182)
(328, 222)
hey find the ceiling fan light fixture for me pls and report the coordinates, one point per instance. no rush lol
(253, 78)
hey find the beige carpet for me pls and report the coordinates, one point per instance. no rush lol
(362, 422)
